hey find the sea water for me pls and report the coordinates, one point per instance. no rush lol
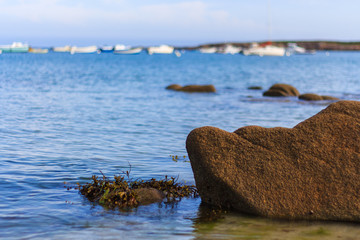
(64, 118)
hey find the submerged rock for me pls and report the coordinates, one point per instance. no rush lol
(311, 171)
(147, 196)
(255, 88)
(281, 90)
(315, 97)
(192, 88)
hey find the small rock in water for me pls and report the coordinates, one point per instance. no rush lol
(311, 171)
(192, 88)
(173, 87)
(324, 97)
(147, 196)
(198, 88)
(281, 90)
(315, 97)
(255, 88)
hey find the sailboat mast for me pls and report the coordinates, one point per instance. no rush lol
(269, 21)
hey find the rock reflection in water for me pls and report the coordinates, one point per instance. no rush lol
(212, 223)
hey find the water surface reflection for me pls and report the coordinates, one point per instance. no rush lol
(216, 224)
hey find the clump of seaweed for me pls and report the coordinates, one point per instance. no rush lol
(122, 193)
(176, 158)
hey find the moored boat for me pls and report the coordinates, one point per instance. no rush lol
(88, 49)
(66, 48)
(38, 50)
(293, 48)
(5, 48)
(265, 49)
(163, 49)
(129, 51)
(15, 47)
(208, 50)
(119, 47)
(229, 49)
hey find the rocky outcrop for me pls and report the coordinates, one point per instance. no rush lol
(311, 171)
(315, 97)
(192, 88)
(281, 90)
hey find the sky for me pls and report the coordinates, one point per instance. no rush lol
(176, 22)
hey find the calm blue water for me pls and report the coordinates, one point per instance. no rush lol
(65, 117)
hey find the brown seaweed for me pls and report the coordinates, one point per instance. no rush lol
(122, 193)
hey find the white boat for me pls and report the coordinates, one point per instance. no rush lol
(119, 47)
(89, 49)
(230, 49)
(66, 48)
(38, 50)
(163, 49)
(293, 48)
(264, 50)
(129, 51)
(208, 50)
(15, 47)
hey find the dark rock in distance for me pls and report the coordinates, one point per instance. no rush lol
(192, 88)
(255, 88)
(315, 97)
(173, 87)
(311, 171)
(310, 97)
(149, 195)
(198, 88)
(281, 90)
(324, 97)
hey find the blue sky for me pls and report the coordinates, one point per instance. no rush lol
(175, 22)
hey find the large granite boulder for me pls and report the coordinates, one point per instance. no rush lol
(311, 171)
(281, 90)
(315, 97)
(192, 88)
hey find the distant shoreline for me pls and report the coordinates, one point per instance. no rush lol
(320, 45)
(310, 45)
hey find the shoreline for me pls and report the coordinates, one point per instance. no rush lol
(310, 45)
